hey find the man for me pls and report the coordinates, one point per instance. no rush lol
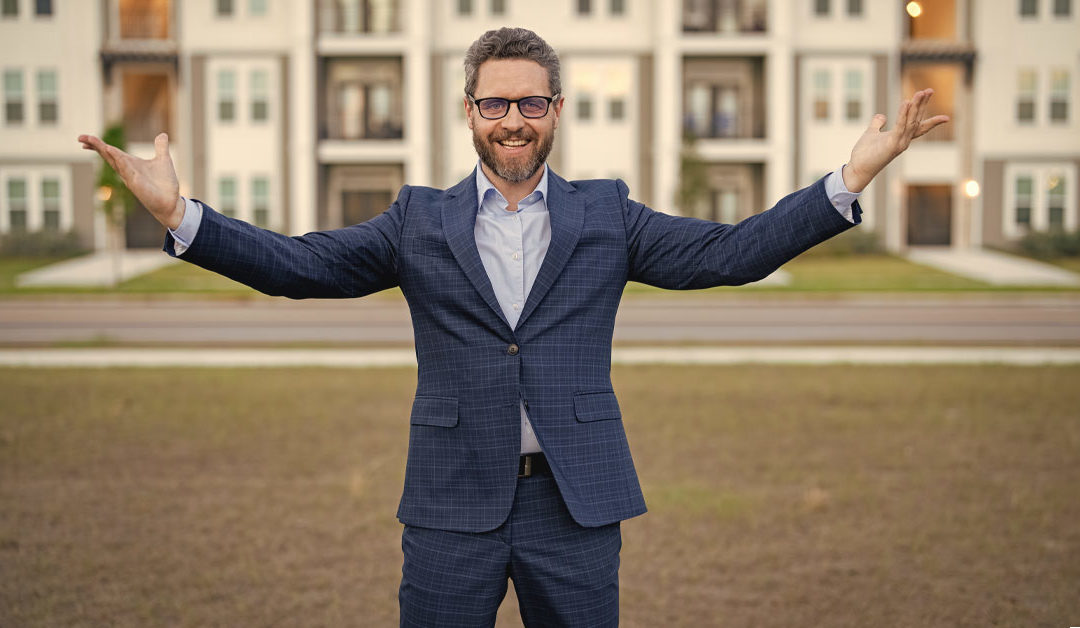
(518, 465)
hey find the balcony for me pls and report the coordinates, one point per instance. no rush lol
(362, 99)
(359, 17)
(139, 31)
(723, 98)
(727, 17)
(934, 36)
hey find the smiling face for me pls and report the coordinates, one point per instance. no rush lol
(513, 147)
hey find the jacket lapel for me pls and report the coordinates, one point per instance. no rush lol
(566, 209)
(459, 223)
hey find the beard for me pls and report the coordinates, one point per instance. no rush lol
(520, 167)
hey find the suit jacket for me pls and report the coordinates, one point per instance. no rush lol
(473, 369)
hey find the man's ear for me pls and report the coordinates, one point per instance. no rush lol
(558, 110)
(468, 111)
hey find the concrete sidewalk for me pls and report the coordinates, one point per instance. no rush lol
(992, 267)
(378, 358)
(95, 269)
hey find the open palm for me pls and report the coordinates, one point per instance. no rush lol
(876, 148)
(152, 181)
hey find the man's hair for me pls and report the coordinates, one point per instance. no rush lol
(511, 43)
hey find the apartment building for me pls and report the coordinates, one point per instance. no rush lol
(311, 115)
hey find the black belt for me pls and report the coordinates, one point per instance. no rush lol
(533, 464)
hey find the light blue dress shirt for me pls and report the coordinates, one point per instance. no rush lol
(512, 245)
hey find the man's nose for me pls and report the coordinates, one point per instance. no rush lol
(513, 120)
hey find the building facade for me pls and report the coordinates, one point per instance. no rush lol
(310, 115)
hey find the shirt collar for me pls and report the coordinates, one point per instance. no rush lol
(484, 186)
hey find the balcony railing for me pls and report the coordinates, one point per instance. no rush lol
(725, 16)
(141, 23)
(360, 17)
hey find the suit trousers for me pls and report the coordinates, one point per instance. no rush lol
(564, 574)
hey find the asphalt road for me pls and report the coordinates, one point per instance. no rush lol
(679, 319)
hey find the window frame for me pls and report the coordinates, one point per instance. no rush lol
(20, 74)
(221, 93)
(43, 98)
(1040, 173)
(34, 177)
(259, 94)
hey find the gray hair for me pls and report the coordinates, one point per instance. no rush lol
(511, 43)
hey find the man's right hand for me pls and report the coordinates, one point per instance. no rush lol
(152, 181)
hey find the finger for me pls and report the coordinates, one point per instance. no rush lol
(902, 115)
(930, 124)
(877, 122)
(161, 145)
(920, 113)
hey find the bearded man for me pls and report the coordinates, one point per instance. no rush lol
(518, 465)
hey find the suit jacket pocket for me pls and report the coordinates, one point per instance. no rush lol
(596, 406)
(437, 411)
(432, 248)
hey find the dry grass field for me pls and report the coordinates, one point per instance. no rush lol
(779, 496)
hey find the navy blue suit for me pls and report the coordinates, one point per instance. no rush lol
(474, 370)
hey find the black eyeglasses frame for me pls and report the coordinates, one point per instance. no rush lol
(550, 99)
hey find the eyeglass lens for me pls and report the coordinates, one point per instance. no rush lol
(531, 107)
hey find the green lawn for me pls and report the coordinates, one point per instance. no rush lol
(779, 496)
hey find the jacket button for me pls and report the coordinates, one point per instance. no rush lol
(512, 349)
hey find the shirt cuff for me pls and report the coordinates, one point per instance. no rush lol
(185, 234)
(840, 197)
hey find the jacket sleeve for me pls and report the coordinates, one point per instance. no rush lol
(688, 253)
(349, 262)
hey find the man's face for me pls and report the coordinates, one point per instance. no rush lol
(513, 147)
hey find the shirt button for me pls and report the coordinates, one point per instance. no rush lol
(517, 307)
(512, 349)
(515, 256)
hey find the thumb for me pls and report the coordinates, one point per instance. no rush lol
(161, 145)
(877, 122)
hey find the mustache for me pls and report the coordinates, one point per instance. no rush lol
(517, 135)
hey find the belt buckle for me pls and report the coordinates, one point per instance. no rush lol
(528, 467)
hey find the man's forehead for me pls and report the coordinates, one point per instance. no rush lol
(496, 76)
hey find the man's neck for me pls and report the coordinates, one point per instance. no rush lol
(513, 192)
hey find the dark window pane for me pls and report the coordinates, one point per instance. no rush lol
(1062, 8)
(17, 219)
(618, 7)
(854, 110)
(1029, 8)
(821, 7)
(584, 109)
(262, 217)
(1025, 111)
(584, 7)
(9, 8)
(224, 8)
(854, 7)
(1059, 111)
(226, 110)
(47, 111)
(464, 7)
(43, 7)
(821, 110)
(498, 7)
(13, 112)
(1023, 215)
(259, 110)
(52, 220)
(1057, 217)
(617, 109)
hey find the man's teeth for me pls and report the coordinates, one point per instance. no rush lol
(514, 143)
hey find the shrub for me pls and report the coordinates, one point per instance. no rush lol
(39, 244)
(852, 242)
(1051, 244)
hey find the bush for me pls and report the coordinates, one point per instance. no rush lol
(39, 244)
(1051, 244)
(852, 242)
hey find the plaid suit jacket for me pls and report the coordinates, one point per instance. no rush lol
(474, 370)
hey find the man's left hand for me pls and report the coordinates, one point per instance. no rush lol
(876, 148)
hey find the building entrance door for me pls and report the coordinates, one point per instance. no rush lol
(929, 215)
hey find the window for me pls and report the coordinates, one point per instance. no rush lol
(584, 107)
(260, 98)
(498, 7)
(9, 8)
(1023, 201)
(854, 8)
(48, 109)
(1025, 99)
(50, 203)
(13, 96)
(1059, 96)
(618, 7)
(227, 196)
(617, 109)
(17, 211)
(822, 87)
(226, 95)
(853, 89)
(257, 8)
(464, 7)
(821, 8)
(260, 199)
(224, 8)
(1055, 202)
(584, 7)
(1029, 8)
(1062, 8)
(43, 7)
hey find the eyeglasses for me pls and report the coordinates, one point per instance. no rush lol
(530, 106)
